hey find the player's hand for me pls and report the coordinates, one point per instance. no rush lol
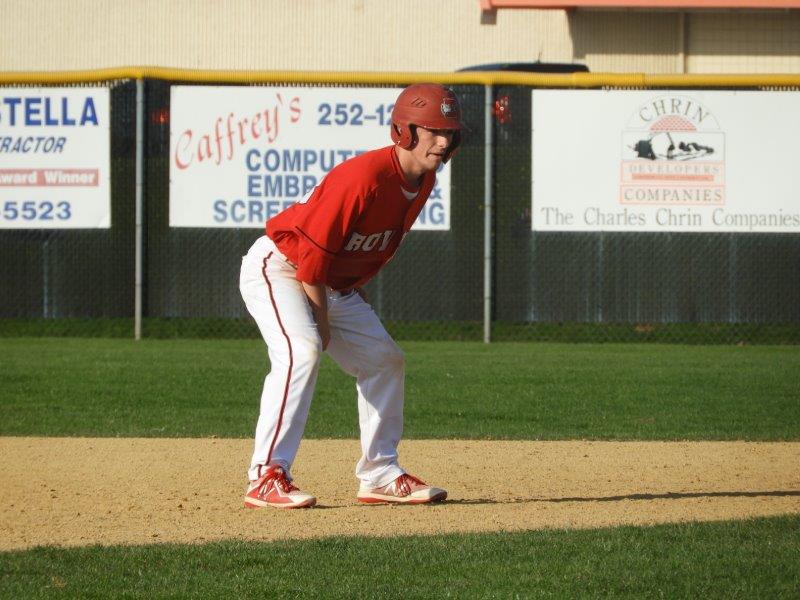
(318, 301)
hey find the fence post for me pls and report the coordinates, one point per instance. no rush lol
(487, 215)
(137, 309)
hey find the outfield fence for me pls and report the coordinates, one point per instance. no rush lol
(491, 274)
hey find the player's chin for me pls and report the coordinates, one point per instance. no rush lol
(434, 160)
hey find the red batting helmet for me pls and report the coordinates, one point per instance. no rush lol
(428, 105)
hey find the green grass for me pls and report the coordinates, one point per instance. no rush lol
(162, 388)
(167, 388)
(740, 559)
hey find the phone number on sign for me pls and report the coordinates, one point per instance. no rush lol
(343, 113)
(36, 211)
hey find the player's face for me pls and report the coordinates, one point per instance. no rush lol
(431, 147)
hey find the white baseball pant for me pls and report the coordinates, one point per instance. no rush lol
(359, 344)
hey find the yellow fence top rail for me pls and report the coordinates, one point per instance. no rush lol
(577, 80)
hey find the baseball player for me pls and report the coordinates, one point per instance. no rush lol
(302, 282)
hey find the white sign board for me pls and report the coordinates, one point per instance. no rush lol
(687, 160)
(54, 158)
(240, 155)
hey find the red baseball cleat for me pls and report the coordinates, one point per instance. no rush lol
(274, 489)
(406, 489)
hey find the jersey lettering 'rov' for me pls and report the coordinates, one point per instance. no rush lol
(366, 243)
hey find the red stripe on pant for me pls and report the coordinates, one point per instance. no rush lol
(291, 359)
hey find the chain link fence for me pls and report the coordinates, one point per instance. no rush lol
(625, 286)
(550, 286)
(77, 281)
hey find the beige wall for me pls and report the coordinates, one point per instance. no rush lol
(620, 41)
(749, 43)
(384, 35)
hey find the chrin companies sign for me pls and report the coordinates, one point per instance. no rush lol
(665, 161)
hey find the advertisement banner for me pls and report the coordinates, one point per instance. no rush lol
(240, 155)
(660, 160)
(54, 158)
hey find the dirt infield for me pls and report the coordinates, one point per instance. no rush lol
(79, 491)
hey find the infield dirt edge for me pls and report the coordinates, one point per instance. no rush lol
(110, 491)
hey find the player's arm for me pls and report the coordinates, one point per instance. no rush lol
(318, 300)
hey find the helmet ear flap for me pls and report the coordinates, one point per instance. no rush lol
(403, 135)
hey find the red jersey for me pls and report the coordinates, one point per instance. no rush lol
(353, 222)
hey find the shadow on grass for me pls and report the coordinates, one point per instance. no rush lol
(664, 496)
